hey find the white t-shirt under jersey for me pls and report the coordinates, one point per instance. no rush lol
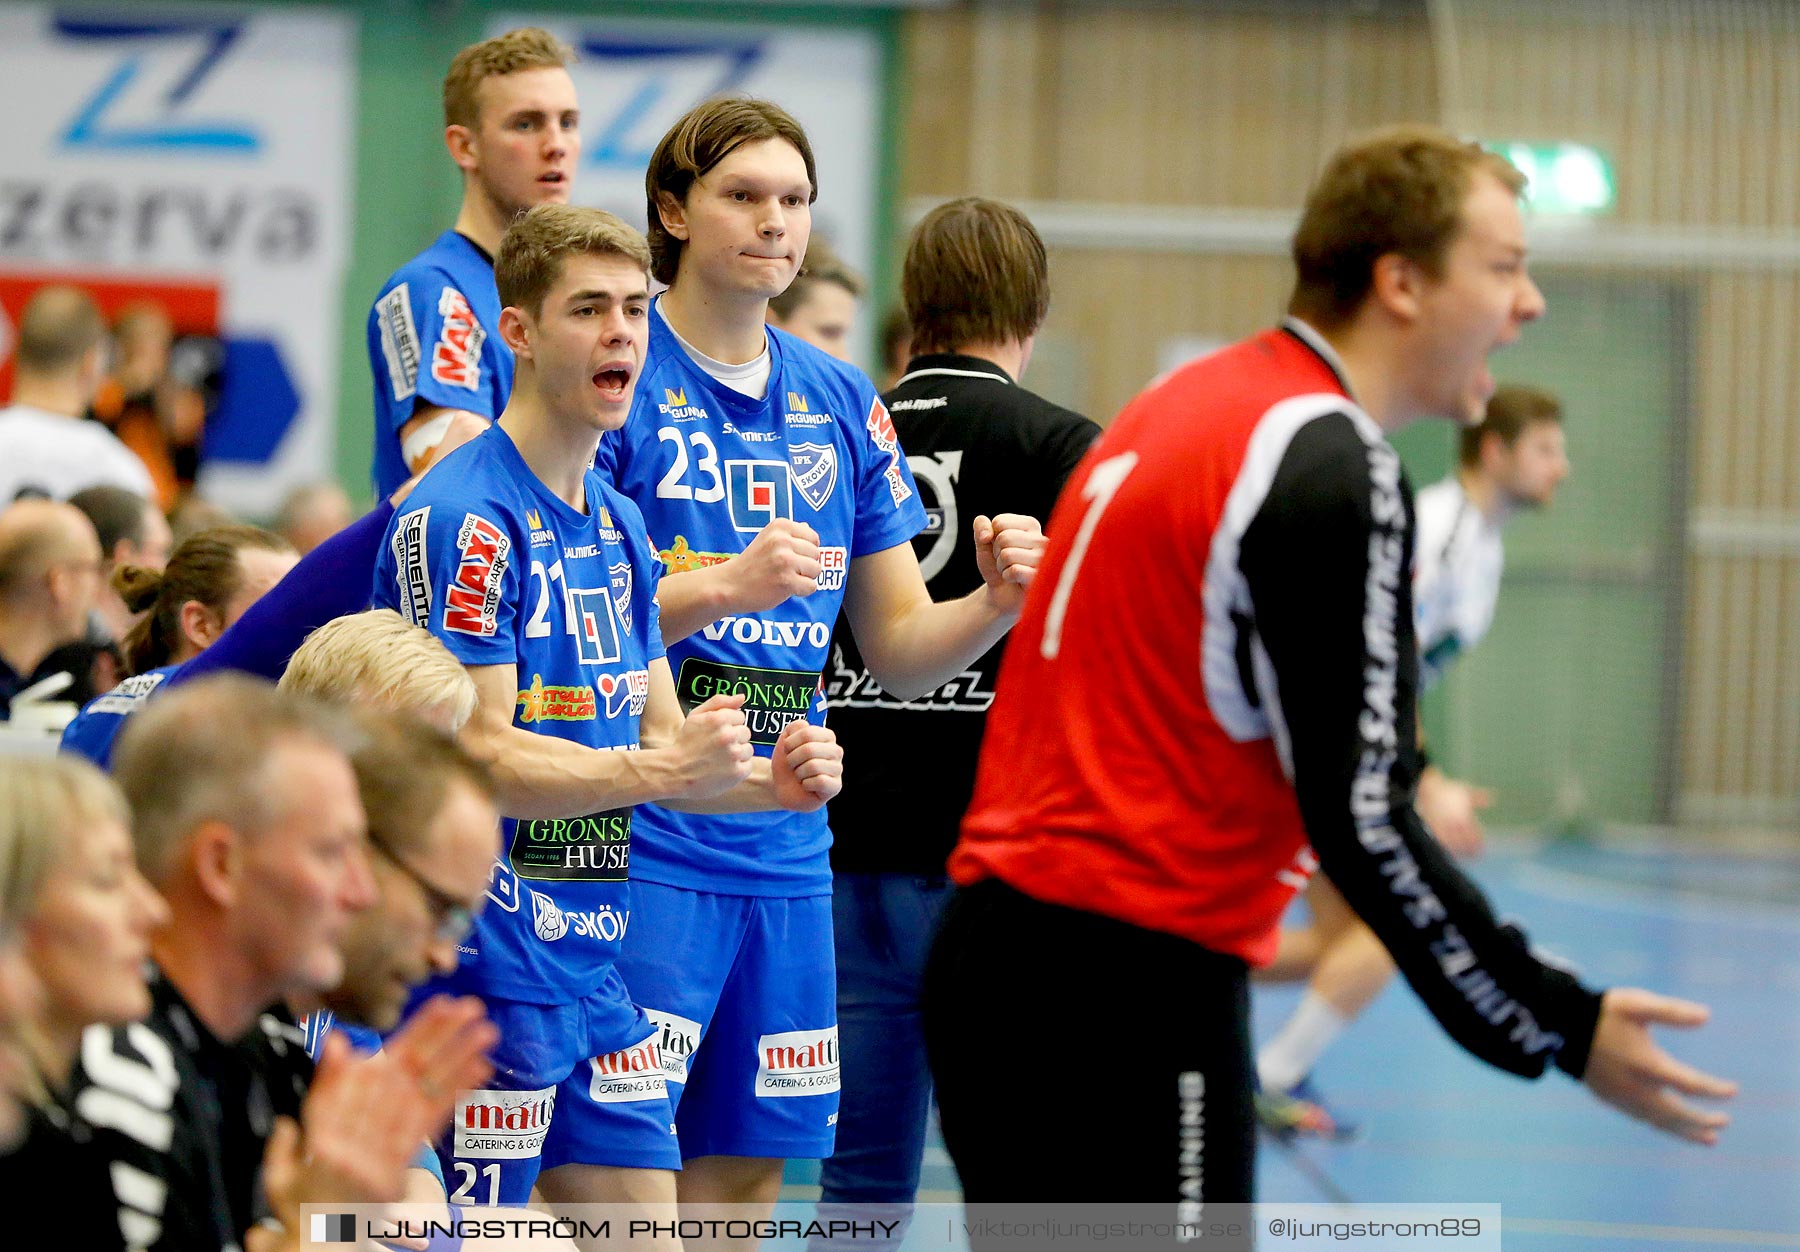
(1456, 576)
(59, 456)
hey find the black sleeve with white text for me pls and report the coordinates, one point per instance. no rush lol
(1327, 560)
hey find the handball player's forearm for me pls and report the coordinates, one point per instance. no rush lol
(925, 646)
(543, 777)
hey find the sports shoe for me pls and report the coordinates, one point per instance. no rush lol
(1300, 1113)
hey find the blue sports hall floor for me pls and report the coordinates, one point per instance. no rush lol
(1568, 1172)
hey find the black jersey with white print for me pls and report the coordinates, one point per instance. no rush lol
(977, 443)
(176, 1120)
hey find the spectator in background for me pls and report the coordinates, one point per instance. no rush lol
(45, 447)
(210, 582)
(313, 513)
(143, 403)
(79, 916)
(247, 819)
(132, 532)
(244, 805)
(820, 304)
(194, 515)
(50, 565)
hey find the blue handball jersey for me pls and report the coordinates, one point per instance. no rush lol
(434, 338)
(710, 467)
(98, 724)
(505, 573)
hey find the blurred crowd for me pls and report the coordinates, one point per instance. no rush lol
(101, 443)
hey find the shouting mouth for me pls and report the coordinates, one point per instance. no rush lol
(613, 382)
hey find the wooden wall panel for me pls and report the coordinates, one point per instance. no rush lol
(1697, 102)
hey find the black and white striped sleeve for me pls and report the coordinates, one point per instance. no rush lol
(1325, 561)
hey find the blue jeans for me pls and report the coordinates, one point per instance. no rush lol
(884, 925)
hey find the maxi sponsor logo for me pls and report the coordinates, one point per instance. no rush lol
(767, 630)
(629, 1075)
(887, 441)
(503, 1125)
(411, 568)
(472, 603)
(797, 1063)
(772, 697)
(594, 848)
(456, 358)
(677, 1037)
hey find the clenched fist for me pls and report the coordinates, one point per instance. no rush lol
(1008, 549)
(781, 562)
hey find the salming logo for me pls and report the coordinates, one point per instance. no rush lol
(1378, 727)
(1191, 1088)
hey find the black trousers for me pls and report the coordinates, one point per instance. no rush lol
(1080, 1059)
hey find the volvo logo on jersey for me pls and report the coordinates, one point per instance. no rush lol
(595, 848)
(772, 697)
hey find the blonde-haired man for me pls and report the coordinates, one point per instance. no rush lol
(380, 658)
(440, 365)
(539, 577)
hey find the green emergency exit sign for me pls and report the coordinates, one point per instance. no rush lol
(1567, 179)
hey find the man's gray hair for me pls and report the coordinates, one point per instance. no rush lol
(208, 751)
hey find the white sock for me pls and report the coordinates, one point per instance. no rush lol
(1298, 1045)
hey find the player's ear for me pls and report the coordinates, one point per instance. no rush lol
(515, 329)
(1398, 285)
(460, 140)
(199, 625)
(673, 214)
(216, 862)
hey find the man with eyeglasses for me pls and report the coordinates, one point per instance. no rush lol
(434, 833)
(433, 836)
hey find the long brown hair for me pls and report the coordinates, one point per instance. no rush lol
(205, 568)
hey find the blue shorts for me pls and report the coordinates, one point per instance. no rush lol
(743, 991)
(566, 1090)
